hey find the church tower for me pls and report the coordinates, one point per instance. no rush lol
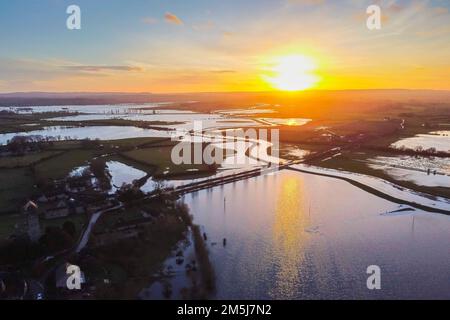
(32, 225)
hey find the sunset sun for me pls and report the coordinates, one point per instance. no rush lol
(293, 73)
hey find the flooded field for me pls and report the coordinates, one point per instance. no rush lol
(295, 122)
(285, 242)
(174, 279)
(182, 121)
(93, 132)
(246, 111)
(122, 174)
(440, 140)
(430, 172)
(101, 109)
(381, 187)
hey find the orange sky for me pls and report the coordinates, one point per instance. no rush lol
(224, 46)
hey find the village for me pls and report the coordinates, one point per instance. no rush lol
(52, 223)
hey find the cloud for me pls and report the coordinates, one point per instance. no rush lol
(171, 18)
(228, 34)
(101, 68)
(223, 71)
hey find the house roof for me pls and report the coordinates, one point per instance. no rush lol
(30, 205)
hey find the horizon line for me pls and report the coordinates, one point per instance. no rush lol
(216, 92)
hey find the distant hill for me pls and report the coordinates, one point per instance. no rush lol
(77, 98)
(311, 101)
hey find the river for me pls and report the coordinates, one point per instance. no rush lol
(294, 235)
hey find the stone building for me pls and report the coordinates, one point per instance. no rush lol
(32, 225)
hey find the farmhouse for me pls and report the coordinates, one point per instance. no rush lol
(60, 210)
(63, 208)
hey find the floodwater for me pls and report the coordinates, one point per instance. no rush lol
(120, 174)
(382, 186)
(245, 111)
(415, 169)
(123, 174)
(296, 122)
(439, 140)
(293, 235)
(106, 108)
(93, 132)
(173, 274)
(167, 117)
(185, 121)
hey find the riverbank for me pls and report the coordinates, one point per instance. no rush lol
(383, 189)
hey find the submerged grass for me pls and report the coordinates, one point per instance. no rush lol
(206, 268)
(355, 162)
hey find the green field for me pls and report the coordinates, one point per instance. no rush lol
(160, 157)
(26, 160)
(108, 221)
(135, 142)
(60, 166)
(7, 224)
(22, 122)
(16, 185)
(79, 220)
(108, 145)
(17, 180)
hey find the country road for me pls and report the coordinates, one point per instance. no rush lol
(87, 232)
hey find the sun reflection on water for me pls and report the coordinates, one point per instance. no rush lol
(290, 240)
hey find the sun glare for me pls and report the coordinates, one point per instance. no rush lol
(293, 73)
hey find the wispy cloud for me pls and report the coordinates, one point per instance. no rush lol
(228, 34)
(171, 18)
(223, 71)
(101, 68)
